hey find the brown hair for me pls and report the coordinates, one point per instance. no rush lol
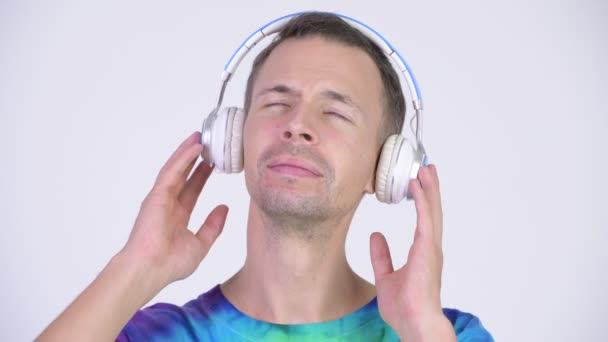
(331, 26)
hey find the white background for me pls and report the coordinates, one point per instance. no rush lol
(94, 96)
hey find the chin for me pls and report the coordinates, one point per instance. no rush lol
(285, 202)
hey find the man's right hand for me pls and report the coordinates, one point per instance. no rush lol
(159, 251)
(160, 239)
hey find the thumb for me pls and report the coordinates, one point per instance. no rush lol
(382, 262)
(212, 227)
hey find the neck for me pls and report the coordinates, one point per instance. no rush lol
(296, 274)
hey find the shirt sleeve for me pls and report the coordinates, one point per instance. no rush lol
(468, 328)
(159, 322)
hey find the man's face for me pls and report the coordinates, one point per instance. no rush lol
(310, 137)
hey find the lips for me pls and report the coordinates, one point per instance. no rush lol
(294, 167)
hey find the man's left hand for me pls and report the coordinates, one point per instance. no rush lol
(409, 298)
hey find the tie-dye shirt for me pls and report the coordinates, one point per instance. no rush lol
(211, 317)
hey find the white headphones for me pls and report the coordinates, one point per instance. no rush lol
(400, 158)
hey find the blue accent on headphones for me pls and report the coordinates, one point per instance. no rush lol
(409, 70)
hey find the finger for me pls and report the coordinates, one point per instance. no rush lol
(382, 262)
(189, 167)
(183, 178)
(432, 192)
(429, 220)
(424, 253)
(420, 200)
(189, 141)
(430, 183)
(424, 226)
(212, 227)
(194, 185)
(435, 175)
(173, 175)
(427, 179)
(438, 212)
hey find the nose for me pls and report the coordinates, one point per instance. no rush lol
(299, 129)
(303, 136)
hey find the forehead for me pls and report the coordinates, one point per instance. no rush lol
(313, 62)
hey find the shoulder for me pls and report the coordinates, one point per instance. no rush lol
(164, 321)
(467, 326)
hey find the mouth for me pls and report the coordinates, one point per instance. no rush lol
(294, 167)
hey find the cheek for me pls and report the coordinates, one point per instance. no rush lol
(249, 139)
(256, 136)
(357, 164)
(356, 158)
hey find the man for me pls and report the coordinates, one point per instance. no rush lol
(320, 101)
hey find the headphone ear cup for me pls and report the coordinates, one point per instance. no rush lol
(227, 140)
(393, 171)
(235, 140)
(222, 139)
(383, 169)
(217, 138)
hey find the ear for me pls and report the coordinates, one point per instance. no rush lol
(370, 190)
(370, 185)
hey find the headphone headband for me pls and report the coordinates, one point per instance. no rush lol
(276, 25)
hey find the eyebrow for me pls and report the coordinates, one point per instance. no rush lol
(343, 98)
(279, 88)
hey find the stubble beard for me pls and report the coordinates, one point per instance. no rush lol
(294, 213)
(306, 215)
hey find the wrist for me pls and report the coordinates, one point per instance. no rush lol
(431, 329)
(137, 274)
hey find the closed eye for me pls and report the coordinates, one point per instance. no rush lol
(276, 104)
(338, 115)
(276, 107)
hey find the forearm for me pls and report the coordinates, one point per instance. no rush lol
(103, 308)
